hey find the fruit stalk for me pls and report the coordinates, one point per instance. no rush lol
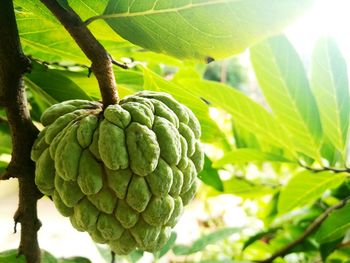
(102, 65)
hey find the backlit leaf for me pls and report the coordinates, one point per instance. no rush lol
(248, 155)
(200, 28)
(305, 187)
(335, 226)
(330, 85)
(284, 83)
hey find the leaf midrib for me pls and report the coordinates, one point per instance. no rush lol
(334, 89)
(335, 230)
(295, 109)
(164, 11)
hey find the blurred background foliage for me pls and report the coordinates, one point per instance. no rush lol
(274, 128)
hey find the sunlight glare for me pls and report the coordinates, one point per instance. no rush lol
(326, 18)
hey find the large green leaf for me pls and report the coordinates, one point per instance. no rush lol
(330, 85)
(11, 256)
(42, 36)
(249, 114)
(210, 130)
(55, 84)
(243, 155)
(305, 187)
(205, 240)
(284, 83)
(200, 28)
(335, 226)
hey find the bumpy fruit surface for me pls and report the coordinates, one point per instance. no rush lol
(123, 174)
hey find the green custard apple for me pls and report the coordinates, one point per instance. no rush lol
(122, 174)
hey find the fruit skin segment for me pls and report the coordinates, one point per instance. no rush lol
(123, 174)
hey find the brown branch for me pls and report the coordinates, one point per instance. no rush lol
(323, 169)
(13, 65)
(102, 65)
(310, 229)
(345, 244)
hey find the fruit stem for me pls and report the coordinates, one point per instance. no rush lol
(102, 65)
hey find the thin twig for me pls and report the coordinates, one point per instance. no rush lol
(57, 63)
(345, 244)
(323, 169)
(310, 229)
(120, 64)
(101, 66)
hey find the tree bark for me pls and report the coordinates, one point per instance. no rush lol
(13, 65)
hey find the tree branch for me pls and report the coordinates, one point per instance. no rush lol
(311, 228)
(319, 170)
(13, 65)
(102, 65)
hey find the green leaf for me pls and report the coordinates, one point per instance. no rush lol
(5, 139)
(335, 226)
(210, 176)
(49, 258)
(327, 248)
(249, 114)
(169, 244)
(74, 260)
(55, 84)
(210, 130)
(329, 81)
(258, 236)
(244, 188)
(10, 256)
(284, 83)
(3, 166)
(224, 261)
(305, 187)
(205, 240)
(104, 251)
(246, 156)
(42, 36)
(88, 8)
(243, 137)
(135, 255)
(202, 28)
(106, 254)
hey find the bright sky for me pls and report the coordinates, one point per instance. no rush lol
(327, 17)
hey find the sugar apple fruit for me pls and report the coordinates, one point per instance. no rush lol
(122, 174)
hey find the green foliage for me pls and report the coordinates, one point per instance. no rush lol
(306, 187)
(283, 81)
(280, 152)
(204, 241)
(11, 256)
(178, 28)
(335, 226)
(329, 81)
(210, 176)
